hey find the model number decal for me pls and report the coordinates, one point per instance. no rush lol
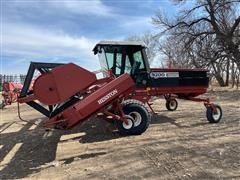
(109, 95)
(156, 75)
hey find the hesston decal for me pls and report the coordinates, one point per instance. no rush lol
(109, 95)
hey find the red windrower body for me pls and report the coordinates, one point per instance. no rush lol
(68, 94)
(91, 95)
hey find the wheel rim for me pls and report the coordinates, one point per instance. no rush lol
(172, 104)
(137, 118)
(129, 125)
(217, 115)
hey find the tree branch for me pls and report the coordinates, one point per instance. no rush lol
(235, 25)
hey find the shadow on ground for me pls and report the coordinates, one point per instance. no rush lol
(160, 119)
(38, 146)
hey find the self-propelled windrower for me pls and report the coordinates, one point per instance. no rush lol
(68, 94)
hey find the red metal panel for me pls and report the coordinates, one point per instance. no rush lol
(118, 87)
(61, 83)
(186, 90)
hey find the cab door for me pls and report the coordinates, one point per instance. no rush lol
(140, 68)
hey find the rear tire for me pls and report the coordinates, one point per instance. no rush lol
(214, 117)
(140, 115)
(171, 104)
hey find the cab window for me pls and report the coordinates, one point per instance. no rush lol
(109, 57)
(102, 60)
(128, 66)
(118, 63)
(137, 56)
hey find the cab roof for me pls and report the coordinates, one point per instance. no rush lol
(118, 43)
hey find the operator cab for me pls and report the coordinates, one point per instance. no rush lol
(124, 57)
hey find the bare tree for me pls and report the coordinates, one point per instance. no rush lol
(208, 35)
(150, 41)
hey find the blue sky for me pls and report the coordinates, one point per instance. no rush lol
(66, 31)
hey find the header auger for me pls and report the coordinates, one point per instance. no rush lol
(68, 94)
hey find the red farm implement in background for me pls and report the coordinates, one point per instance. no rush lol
(10, 92)
(68, 94)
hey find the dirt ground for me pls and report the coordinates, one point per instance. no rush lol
(177, 145)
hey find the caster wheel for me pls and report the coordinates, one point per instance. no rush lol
(124, 128)
(214, 117)
(171, 104)
(140, 115)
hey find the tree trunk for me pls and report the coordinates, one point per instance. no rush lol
(238, 79)
(218, 76)
(233, 74)
(238, 64)
(220, 80)
(227, 73)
